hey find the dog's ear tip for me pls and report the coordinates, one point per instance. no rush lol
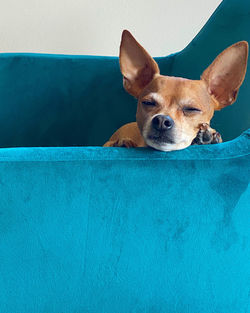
(246, 46)
(243, 46)
(243, 49)
(243, 43)
(126, 34)
(125, 31)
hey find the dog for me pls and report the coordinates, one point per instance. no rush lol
(174, 112)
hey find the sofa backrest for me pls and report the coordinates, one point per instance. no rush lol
(58, 100)
(62, 100)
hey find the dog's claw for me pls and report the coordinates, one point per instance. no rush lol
(216, 138)
(206, 135)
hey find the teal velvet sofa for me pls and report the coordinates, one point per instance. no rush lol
(86, 229)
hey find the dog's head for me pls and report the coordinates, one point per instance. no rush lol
(170, 109)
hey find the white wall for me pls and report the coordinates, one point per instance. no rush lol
(94, 26)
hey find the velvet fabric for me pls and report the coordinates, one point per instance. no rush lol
(100, 230)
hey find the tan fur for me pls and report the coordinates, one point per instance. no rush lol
(217, 88)
(127, 131)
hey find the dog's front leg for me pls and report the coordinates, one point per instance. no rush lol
(124, 142)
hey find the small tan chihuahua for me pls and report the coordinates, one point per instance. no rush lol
(174, 112)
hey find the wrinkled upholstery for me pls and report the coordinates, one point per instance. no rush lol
(102, 230)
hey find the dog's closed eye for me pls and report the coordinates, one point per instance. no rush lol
(149, 103)
(190, 110)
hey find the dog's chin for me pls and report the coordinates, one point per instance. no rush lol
(166, 145)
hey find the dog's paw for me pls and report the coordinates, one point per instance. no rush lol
(125, 142)
(216, 138)
(206, 135)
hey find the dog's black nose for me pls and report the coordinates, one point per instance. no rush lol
(162, 122)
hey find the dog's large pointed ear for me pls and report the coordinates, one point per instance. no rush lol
(226, 74)
(137, 66)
